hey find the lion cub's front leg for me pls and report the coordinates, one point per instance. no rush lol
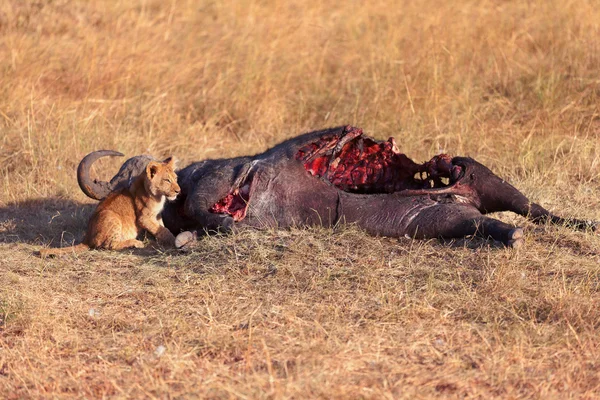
(162, 234)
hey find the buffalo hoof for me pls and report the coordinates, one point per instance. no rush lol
(184, 239)
(515, 238)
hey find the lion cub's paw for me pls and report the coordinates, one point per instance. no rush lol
(166, 238)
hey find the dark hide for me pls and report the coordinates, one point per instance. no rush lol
(339, 176)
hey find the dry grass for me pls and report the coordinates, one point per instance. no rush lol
(301, 313)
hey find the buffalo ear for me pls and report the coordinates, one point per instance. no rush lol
(151, 169)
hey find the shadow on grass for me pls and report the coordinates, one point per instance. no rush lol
(49, 221)
(52, 222)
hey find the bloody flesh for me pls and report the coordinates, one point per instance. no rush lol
(354, 163)
(234, 204)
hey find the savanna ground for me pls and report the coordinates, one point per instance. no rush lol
(301, 313)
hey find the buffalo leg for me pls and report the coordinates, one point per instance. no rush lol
(507, 234)
(539, 215)
(457, 221)
(495, 194)
(516, 202)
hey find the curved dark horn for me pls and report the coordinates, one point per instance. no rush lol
(94, 188)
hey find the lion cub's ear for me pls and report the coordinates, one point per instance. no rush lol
(152, 169)
(171, 162)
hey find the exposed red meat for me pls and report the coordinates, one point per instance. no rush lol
(356, 164)
(234, 204)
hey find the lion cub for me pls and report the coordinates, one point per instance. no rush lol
(123, 214)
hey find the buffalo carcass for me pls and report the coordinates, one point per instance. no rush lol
(338, 176)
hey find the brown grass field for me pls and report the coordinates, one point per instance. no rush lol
(301, 313)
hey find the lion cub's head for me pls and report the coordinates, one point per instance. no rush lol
(161, 179)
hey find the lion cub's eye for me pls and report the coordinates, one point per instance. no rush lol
(167, 180)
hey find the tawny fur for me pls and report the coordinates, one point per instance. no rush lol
(125, 213)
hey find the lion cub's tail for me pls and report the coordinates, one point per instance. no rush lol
(78, 248)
